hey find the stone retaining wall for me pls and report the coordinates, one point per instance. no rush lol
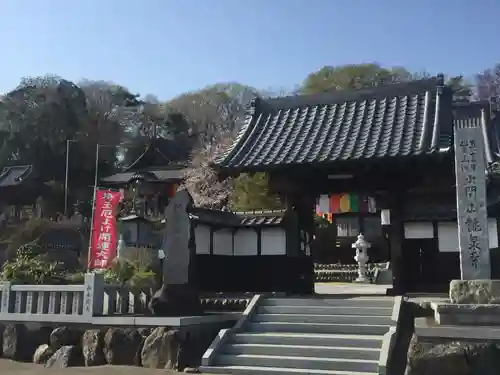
(161, 347)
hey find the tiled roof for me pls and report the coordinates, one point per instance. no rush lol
(399, 120)
(238, 219)
(160, 152)
(160, 175)
(14, 175)
(478, 114)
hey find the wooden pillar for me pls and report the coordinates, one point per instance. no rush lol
(394, 202)
(301, 266)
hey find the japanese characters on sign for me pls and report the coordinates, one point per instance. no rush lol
(87, 299)
(104, 237)
(471, 203)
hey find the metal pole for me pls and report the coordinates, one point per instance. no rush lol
(93, 201)
(66, 180)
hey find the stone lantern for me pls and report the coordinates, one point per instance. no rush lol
(361, 257)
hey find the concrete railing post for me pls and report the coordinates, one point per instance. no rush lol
(93, 295)
(5, 302)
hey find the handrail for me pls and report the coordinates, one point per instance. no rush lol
(389, 340)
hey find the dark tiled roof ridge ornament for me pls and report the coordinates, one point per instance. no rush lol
(253, 106)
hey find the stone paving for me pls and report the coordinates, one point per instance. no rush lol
(8, 367)
(374, 290)
(351, 288)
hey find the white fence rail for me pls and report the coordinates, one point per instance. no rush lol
(70, 303)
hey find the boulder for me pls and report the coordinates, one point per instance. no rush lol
(42, 354)
(121, 346)
(64, 336)
(483, 358)
(66, 356)
(452, 358)
(161, 349)
(176, 300)
(144, 333)
(19, 343)
(475, 291)
(193, 345)
(12, 338)
(440, 359)
(93, 348)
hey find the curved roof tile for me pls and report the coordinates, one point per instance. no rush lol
(393, 121)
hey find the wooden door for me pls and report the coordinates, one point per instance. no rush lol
(420, 259)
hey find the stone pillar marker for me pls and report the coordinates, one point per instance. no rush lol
(472, 215)
(177, 240)
(179, 295)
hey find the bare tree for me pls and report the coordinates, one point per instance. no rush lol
(202, 181)
(212, 111)
(488, 83)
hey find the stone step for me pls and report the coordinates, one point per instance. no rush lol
(326, 310)
(304, 327)
(310, 363)
(303, 351)
(366, 302)
(250, 370)
(313, 319)
(274, 338)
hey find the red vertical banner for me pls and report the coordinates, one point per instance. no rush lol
(104, 236)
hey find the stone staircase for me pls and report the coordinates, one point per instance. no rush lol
(339, 336)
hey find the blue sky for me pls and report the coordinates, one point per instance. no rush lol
(166, 47)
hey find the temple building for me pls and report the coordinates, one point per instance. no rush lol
(357, 156)
(152, 179)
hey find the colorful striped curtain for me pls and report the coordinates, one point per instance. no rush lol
(345, 202)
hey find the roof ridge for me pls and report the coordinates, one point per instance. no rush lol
(342, 96)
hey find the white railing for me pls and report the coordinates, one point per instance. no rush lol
(70, 303)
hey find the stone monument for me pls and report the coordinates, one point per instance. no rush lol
(361, 246)
(178, 295)
(472, 216)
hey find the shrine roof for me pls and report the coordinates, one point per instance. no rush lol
(162, 160)
(399, 120)
(15, 175)
(238, 219)
(170, 173)
(160, 153)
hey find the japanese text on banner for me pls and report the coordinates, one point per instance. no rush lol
(104, 230)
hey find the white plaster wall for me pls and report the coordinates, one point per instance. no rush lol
(202, 239)
(419, 229)
(273, 241)
(448, 235)
(245, 242)
(223, 242)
